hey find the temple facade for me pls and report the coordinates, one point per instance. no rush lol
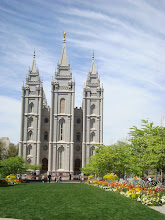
(60, 137)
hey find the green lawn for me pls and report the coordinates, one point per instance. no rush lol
(69, 201)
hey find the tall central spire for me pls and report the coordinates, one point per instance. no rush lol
(64, 61)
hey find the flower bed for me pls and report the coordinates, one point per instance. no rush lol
(3, 183)
(152, 196)
(10, 180)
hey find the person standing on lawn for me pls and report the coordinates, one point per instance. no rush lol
(43, 177)
(49, 177)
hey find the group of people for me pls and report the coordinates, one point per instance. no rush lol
(58, 180)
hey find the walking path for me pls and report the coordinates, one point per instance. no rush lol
(160, 209)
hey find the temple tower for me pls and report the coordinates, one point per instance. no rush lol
(62, 118)
(33, 102)
(92, 114)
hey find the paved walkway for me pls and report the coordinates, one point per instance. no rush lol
(8, 219)
(160, 209)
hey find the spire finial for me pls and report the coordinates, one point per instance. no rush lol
(64, 61)
(34, 55)
(34, 68)
(93, 56)
(64, 34)
(93, 69)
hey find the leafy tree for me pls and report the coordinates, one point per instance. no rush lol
(12, 165)
(13, 151)
(120, 159)
(3, 151)
(109, 159)
(147, 147)
(33, 166)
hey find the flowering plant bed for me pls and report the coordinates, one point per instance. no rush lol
(3, 183)
(153, 196)
(11, 180)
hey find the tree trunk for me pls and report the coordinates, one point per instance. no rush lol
(163, 170)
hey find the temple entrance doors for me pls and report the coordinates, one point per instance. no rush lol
(77, 166)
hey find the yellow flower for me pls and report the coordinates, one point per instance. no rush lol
(133, 195)
(111, 176)
(90, 177)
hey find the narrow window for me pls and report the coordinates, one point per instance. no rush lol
(31, 107)
(78, 137)
(92, 123)
(60, 159)
(78, 121)
(30, 135)
(46, 120)
(62, 106)
(29, 150)
(92, 136)
(92, 109)
(46, 136)
(61, 131)
(30, 122)
(92, 150)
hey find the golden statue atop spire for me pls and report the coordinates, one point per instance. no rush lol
(64, 34)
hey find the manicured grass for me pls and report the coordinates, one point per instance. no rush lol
(69, 201)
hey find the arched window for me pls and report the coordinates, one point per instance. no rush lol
(92, 151)
(31, 107)
(92, 109)
(29, 149)
(92, 136)
(61, 131)
(46, 136)
(30, 122)
(61, 157)
(62, 105)
(78, 137)
(92, 123)
(30, 133)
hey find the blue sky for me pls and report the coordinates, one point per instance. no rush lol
(128, 39)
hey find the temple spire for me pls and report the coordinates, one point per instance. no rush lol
(64, 61)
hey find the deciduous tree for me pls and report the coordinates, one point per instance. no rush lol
(147, 147)
(12, 165)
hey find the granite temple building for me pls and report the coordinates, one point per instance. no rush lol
(60, 137)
